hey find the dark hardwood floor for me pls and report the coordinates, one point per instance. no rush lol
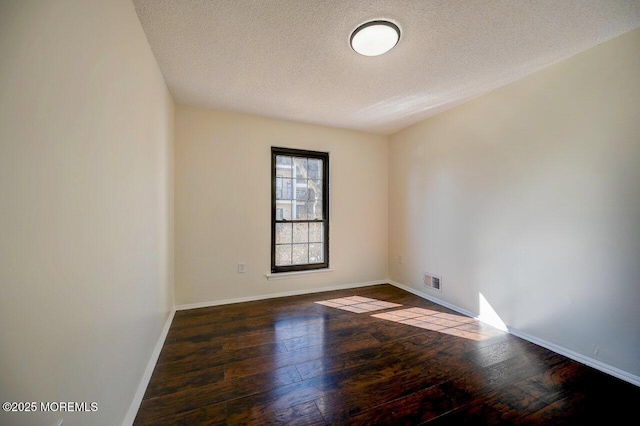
(292, 361)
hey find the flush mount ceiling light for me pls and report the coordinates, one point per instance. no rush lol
(375, 38)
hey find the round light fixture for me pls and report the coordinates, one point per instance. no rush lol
(375, 38)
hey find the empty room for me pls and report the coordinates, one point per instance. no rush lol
(298, 212)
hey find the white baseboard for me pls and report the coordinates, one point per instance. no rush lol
(598, 365)
(151, 365)
(274, 295)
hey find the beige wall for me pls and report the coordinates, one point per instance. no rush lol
(223, 203)
(86, 279)
(529, 198)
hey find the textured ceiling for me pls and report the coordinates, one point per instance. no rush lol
(291, 59)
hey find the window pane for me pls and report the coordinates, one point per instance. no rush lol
(282, 160)
(314, 167)
(285, 205)
(283, 233)
(301, 210)
(300, 254)
(314, 210)
(316, 253)
(300, 167)
(311, 194)
(278, 187)
(316, 186)
(283, 255)
(300, 232)
(301, 190)
(315, 232)
(284, 189)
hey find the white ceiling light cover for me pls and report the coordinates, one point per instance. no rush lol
(375, 38)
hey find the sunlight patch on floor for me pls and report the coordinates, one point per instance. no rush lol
(442, 322)
(358, 304)
(447, 323)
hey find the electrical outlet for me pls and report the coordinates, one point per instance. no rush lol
(399, 258)
(241, 268)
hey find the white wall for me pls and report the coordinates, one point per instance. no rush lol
(529, 198)
(223, 204)
(86, 269)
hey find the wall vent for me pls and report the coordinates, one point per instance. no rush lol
(434, 282)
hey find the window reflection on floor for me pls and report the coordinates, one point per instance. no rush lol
(358, 304)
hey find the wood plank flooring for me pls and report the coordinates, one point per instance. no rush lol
(292, 361)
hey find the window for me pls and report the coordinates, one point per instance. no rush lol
(299, 210)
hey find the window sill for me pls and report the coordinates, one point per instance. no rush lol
(286, 275)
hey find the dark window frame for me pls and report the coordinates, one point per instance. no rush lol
(291, 152)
